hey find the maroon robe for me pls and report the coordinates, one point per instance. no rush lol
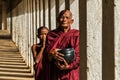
(38, 66)
(58, 39)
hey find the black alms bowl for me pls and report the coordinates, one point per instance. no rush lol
(69, 54)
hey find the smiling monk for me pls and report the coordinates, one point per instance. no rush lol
(61, 38)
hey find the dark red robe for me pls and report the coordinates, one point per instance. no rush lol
(38, 66)
(58, 39)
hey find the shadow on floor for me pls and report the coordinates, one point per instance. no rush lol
(5, 36)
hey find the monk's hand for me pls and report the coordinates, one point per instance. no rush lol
(56, 55)
(62, 65)
(43, 41)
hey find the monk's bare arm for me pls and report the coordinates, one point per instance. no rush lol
(37, 57)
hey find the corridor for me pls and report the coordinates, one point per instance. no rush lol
(12, 65)
(97, 20)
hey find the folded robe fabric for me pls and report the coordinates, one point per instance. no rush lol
(58, 39)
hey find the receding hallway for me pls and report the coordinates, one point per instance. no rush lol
(12, 65)
(97, 20)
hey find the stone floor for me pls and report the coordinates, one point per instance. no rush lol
(12, 65)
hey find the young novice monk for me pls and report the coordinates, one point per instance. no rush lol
(37, 50)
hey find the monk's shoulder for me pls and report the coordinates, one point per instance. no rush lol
(75, 31)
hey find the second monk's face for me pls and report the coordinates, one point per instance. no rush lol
(43, 34)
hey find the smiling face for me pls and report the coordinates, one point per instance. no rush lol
(65, 19)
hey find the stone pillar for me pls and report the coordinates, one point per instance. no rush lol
(46, 13)
(0, 16)
(94, 40)
(62, 4)
(4, 16)
(53, 14)
(30, 34)
(117, 39)
(74, 7)
(41, 12)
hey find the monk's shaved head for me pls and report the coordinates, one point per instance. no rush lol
(63, 11)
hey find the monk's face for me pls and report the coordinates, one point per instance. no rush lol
(65, 20)
(43, 34)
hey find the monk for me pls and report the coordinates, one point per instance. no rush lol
(60, 38)
(37, 50)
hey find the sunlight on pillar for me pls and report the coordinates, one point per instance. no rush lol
(94, 39)
(74, 7)
(117, 39)
(62, 4)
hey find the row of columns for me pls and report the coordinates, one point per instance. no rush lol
(97, 20)
(28, 15)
